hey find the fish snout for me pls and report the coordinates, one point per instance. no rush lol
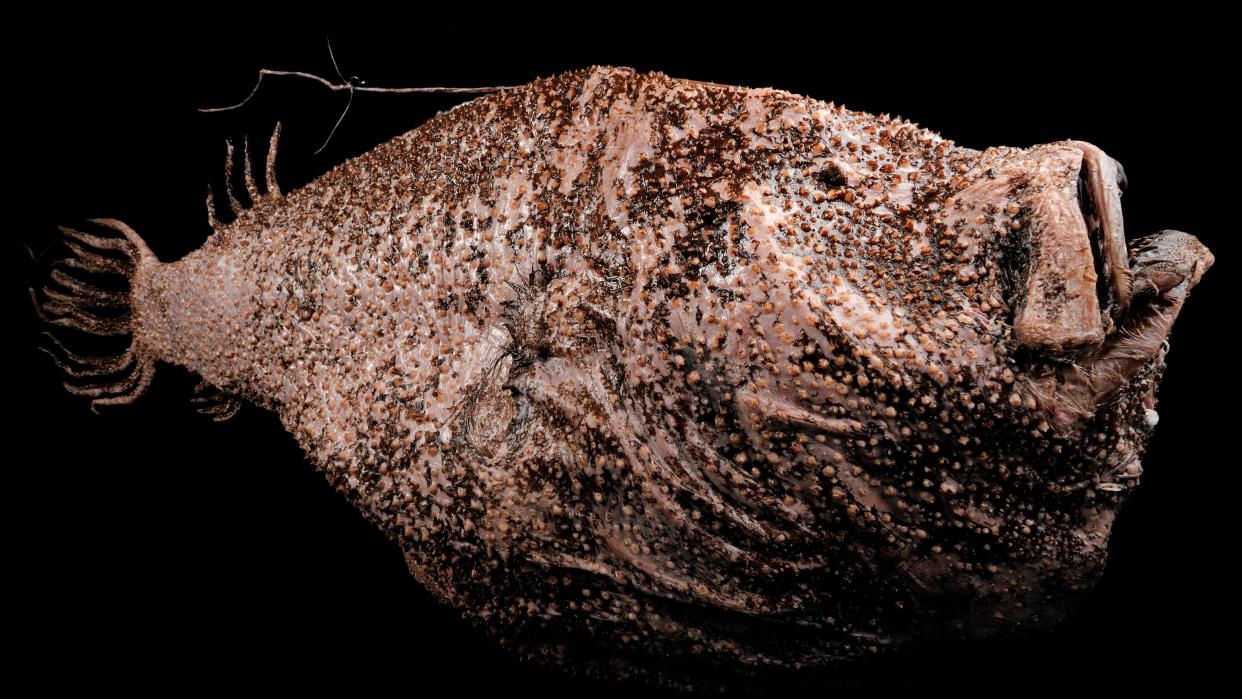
(1087, 295)
(1082, 278)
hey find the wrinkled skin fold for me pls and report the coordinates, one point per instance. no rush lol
(657, 377)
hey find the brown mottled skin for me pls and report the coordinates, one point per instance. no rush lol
(645, 373)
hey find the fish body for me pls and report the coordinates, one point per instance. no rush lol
(645, 374)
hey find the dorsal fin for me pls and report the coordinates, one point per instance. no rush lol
(235, 206)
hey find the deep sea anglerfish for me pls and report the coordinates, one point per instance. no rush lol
(644, 373)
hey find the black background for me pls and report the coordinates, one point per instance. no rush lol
(150, 546)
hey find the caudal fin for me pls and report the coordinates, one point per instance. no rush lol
(90, 294)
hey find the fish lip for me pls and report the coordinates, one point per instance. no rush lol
(1169, 251)
(1077, 281)
(1102, 180)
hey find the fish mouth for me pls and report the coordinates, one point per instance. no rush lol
(1140, 290)
(1101, 181)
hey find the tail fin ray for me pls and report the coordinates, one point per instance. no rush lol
(67, 300)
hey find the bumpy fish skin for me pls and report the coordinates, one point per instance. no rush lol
(646, 374)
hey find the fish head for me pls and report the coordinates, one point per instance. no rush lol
(965, 349)
(851, 376)
(1084, 315)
